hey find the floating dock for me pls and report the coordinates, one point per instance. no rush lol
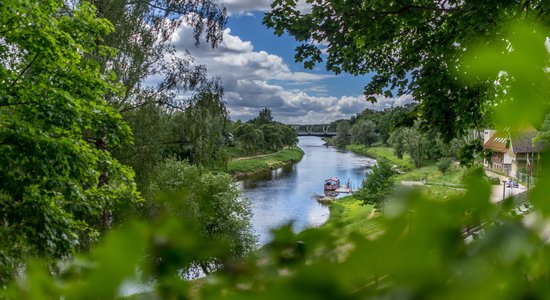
(344, 189)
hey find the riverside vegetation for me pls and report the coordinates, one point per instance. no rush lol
(81, 211)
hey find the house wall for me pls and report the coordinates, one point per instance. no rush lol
(497, 162)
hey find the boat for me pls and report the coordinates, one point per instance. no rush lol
(332, 184)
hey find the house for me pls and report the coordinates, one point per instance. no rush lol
(513, 152)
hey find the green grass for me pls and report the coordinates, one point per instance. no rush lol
(452, 176)
(244, 166)
(438, 192)
(404, 164)
(348, 215)
(234, 152)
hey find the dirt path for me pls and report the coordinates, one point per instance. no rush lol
(257, 156)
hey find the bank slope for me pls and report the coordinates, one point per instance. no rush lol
(247, 166)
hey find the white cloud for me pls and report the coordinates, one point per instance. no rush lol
(256, 79)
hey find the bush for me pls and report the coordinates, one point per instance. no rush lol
(378, 184)
(444, 164)
(494, 180)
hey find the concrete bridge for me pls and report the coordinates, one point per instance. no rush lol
(314, 130)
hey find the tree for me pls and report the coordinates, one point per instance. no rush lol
(378, 184)
(364, 133)
(396, 141)
(151, 74)
(273, 136)
(342, 133)
(444, 164)
(53, 116)
(200, 131)
(413, 47)
(250, 138)
(415, 144)
(289, 135)
(264, 117)
(143, 33)
(209, 200)
(543, 135)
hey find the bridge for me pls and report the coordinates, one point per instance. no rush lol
(324, 130)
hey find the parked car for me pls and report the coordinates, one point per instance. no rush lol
(512, 183)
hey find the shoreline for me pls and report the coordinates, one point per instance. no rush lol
(242, 168)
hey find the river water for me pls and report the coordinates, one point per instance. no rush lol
(286, 194)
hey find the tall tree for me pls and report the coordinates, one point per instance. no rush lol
(250, 138)
(264, 117)
(343, 133)
(52, 114)
(211, 201)
(143, 33)
(364, 133)
(413, 47)
(201, 130)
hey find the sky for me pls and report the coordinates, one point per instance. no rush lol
(258, 70)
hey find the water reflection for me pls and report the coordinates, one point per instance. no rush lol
(286, 194)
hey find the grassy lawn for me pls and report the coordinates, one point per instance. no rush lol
(265, 162)
(348, 215)
(452, 176)
(234, 152)
(404, 164)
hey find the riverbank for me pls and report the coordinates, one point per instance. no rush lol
(349, 214)
(404, 164)
(247, 166)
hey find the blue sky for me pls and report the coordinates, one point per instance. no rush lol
(258, 70)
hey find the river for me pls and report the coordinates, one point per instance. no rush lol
(286, 194)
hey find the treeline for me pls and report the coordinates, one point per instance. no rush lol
(401, 129)
(262, 134)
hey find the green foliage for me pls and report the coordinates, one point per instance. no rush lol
(273, 136)
(343, 132)
(250, 138)
(543, 135)
(59, 182)
(403, 164)
(416, 250)
(264, 117)
(432, 174)
(417, 48)
(200, 131)
(378, 184)
(143, 39)
(151, 134)
(468, 153)
(364, 133)
(263, 134)
(265, 162)
(349, 215)
(444, 164)
(211, 201)
(397, 142)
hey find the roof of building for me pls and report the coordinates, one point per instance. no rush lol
(498, 142)
(522, 142)
(519, 141)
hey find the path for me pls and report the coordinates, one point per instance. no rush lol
(497, 191)
(258, 156)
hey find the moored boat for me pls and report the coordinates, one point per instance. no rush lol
(332, 184)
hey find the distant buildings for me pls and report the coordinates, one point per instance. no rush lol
(514, 153)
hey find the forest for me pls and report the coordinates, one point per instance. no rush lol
(114, 152)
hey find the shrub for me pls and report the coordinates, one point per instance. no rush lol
(378, 184)
(443, 164)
